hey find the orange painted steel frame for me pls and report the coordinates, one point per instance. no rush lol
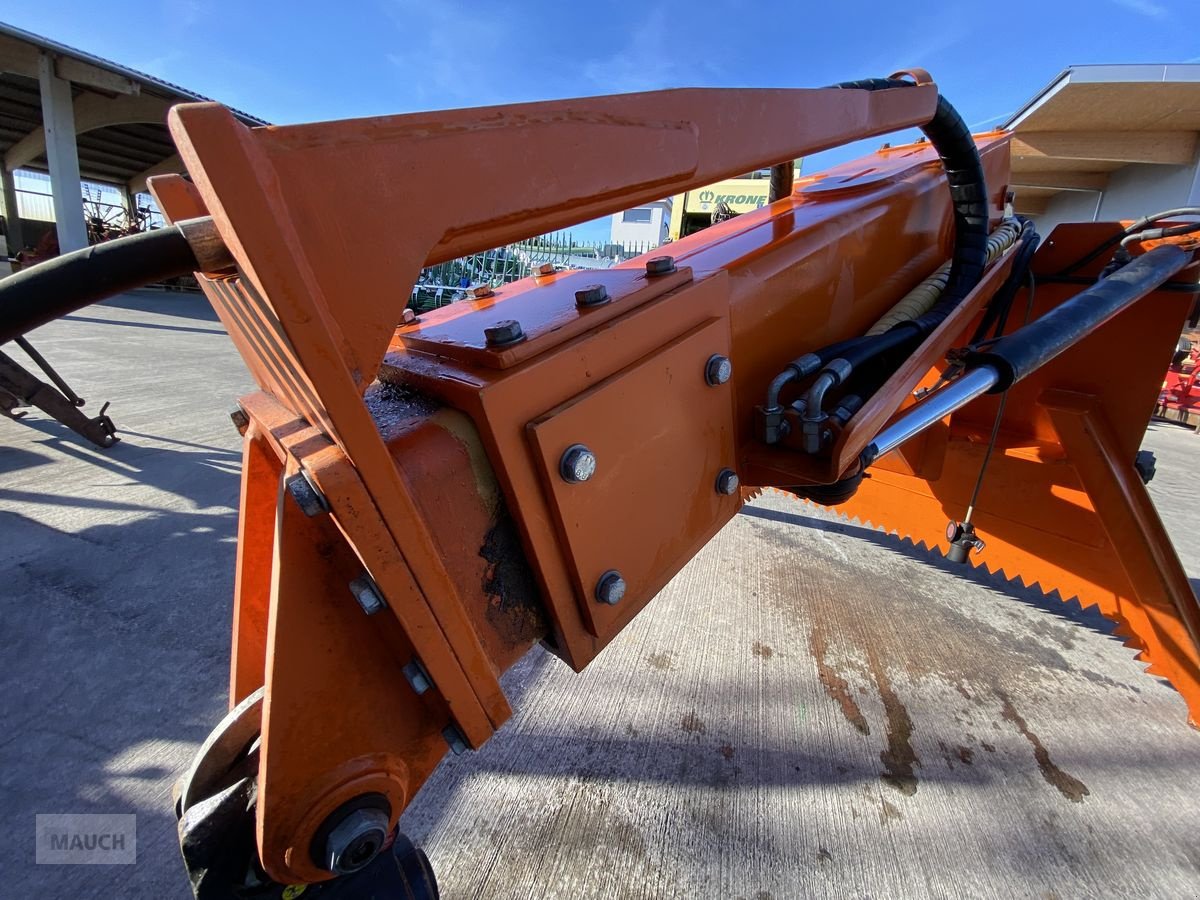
(441, 478)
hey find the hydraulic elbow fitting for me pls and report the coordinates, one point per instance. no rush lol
(772, 427)
(814, 430)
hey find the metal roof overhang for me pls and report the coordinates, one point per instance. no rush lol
(120, 113)
(1093, 120)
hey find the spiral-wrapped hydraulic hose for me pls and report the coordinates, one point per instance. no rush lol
(951, 139)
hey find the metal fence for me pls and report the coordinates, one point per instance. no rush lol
(449, 281)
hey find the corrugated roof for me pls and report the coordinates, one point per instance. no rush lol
(162, 86)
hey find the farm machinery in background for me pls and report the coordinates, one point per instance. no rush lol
(424, 499)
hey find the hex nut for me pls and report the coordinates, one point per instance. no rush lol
(306, 495)
(578, 464)
(456, 741)
(660, 265)
(610, 588)
(367, 594)
(503, 333)
(482, 292)
(718, 370)
(356, 840)
(592, 295)
(727, 482)
(416, 676)
(545, 268)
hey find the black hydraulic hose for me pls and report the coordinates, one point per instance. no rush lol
(997, 311)
(951, 139)
(1028, 348)
(66, 283)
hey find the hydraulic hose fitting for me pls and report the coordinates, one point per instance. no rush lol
(815, 433)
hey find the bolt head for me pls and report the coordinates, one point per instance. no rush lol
(727, 482)
(367, 595)
(307, 497)
(456, 741)
(417, 677)
(544, 269)
(482, 292)
(718, 370)
(578, 464)
(592, 295)
(408, 317)
(660, 265)
(503, 333)
(610, 588)
(241, 421)
(356, 840)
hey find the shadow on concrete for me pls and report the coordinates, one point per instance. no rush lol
(1051, 602)
(116, 653)
(151, 325)
(186, 305)
(205, 475)
(14, 459)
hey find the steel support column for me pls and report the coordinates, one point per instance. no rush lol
(58, 120)
(12, 216)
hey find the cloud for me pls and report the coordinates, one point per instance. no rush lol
(449, 54)
(651, 59)
(1147, 8)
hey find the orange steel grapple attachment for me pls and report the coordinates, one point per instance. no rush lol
(421, 504)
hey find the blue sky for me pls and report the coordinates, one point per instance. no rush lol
(304, 61)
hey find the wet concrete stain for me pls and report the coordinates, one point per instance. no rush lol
(726, 751)
(692, 724)
(899, 757)
(662, 661)
(1066, 784)
(835, 685)
(956, 647)
(961, 754)
(761, 650)
(889, 813)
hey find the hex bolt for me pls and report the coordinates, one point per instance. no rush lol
(610, 588)
(418, 679)
(578, 464)
(367, 594)
(660, 265)
(408, 317)
(356, 840)
(305, 493)
(241, 421)
(592, 295)
(718, 370)
(543, 269)
(455, 739)
(727, 482)
(503, 333)
(482, 292)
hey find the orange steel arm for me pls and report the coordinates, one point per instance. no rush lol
(420, 469)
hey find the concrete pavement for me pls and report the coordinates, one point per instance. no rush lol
(810, 709)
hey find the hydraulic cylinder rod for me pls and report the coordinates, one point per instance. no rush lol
(1029, 348)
